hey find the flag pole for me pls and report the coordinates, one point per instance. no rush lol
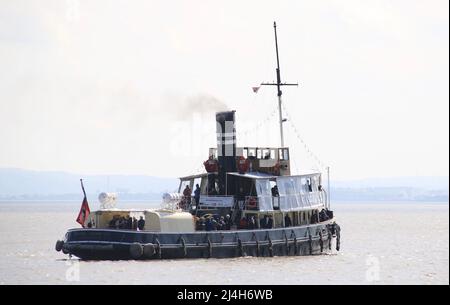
(82, 187)
(83, 215)
(279, 84)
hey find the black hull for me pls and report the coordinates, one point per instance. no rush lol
(99, 244)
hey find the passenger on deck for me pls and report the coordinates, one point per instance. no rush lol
(221, 223)
(309, 185)
(209, 226)
(215, 223)
(197, 195)
(187, 196)
(201, 224)
(129, 222)
(275, 191)
(243, 223)
(314, 217)
(117, 223)
(123, 223)
(287, 221)
(135, 224)
(270, 223)
(141, 223)
(228, 222)
(263, 222)
(251, 223)
(323, 215)
(112, 223)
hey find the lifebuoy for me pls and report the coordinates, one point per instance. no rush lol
(276, 168)
(136, 250)
(211, 165)
(149, 250)
(59, 245)
(243, 164)
(251, 203)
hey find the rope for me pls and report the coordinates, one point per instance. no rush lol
(299, 137)
(183, 245)
(258, 125)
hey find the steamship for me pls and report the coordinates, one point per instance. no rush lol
(247, 203)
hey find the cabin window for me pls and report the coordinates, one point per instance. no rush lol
(251, 153)
(259, 154)
(272, 154)
(264, 192)
(183, 185)
(290, 189)
(280, 154)
(197, 181)
(315, 183)
(266, 154)
(263, 187)
(285, 154)
(245, 153)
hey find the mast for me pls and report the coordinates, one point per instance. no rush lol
(279, 84)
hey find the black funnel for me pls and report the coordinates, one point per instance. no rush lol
(226, 146)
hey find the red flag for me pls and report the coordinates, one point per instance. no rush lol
(84, 211)
(255, 89)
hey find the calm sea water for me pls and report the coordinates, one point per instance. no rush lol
(382, 243)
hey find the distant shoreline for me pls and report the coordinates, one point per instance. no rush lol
(155, 201)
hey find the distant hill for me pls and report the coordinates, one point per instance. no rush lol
(19, 184)
(27, 184)
(389, 194)
(433, 189)
(423, 182)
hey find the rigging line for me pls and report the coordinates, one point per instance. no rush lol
(308, 150)
(259, 124)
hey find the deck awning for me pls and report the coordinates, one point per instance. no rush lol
(253, 175)
(259, 175)
(194, 176)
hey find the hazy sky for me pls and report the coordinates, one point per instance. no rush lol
(131, 87)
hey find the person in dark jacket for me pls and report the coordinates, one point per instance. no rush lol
(197, 195)
(135, 224)
(186, 197)
(323, 216)
(129, 222)
(275, 192)
(251, 223)
(287, 221)
(309, 185)
(228, 222)
(263, 222)
(270, 223)
(141, 223)
(209, 225)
